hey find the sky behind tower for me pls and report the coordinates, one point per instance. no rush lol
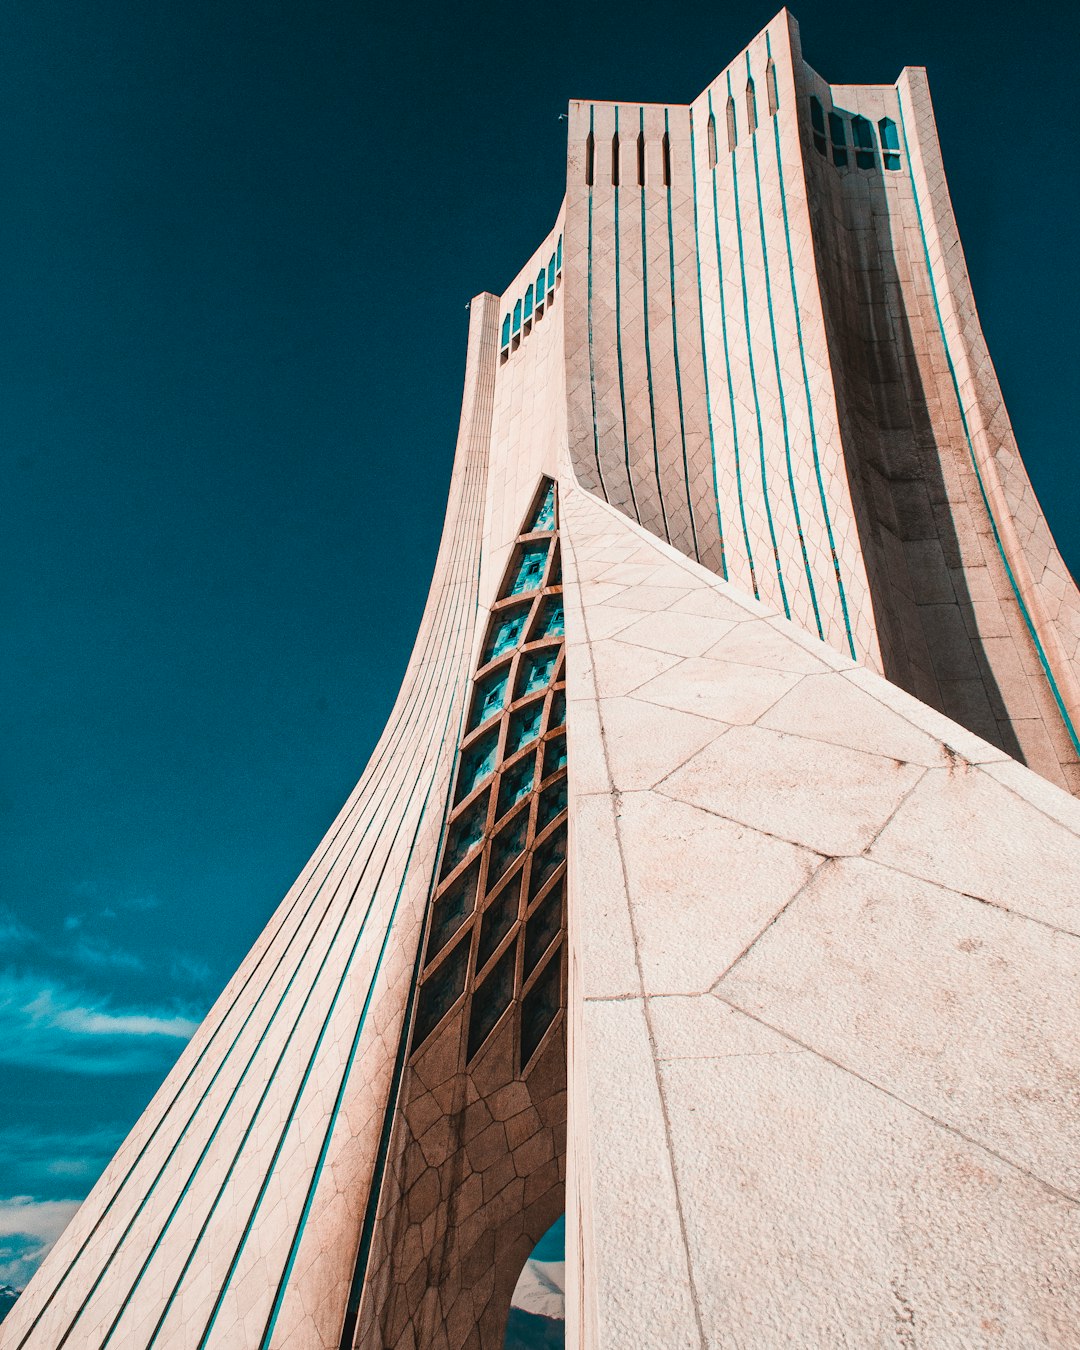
(238, 243)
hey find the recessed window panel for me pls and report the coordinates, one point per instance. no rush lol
(451, 910)
(517, 317)
(499, 917)
(554, 755)
(540, 287)
(558, 254)
(516, 782)
(838, 136)
(551, 273)
(544, 519)
(476, 763)
(549, 621)
(505, 632)
(465, 832)
(552, 802)
(441, 990)
(535, 671)
(524, 726)
(890, 143)
(529, 573)
(529, 303)
(506, 331)
(491, 1000)
(547, 860)
(540, 1007)
(507, 846)
(542, 928)
(489, 696)
(558, 709)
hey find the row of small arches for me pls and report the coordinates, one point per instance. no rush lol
(863, 140)
(533, 300)
(732, 125)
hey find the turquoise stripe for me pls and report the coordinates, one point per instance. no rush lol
(198, 1105)
(592, 365)
(675, 353)
(648, 349)
(727, 369)
(753, 378)
(780, 382)
(704, 355)
(618, 340)
(806, 385)
(1043, 659)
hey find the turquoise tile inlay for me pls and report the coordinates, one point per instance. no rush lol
(506, 630)
(535, 671)
(545, 513)
(549, 622)
(524, 726)
(476, 763)
(490, 696)
(530, 570)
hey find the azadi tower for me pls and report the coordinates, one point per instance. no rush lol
(717, 876)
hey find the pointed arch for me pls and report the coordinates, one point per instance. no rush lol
(590, 156)
(771, 88)
(641, 159)
(615, 160)
(710, 129)
(751, 106)
(732, 128)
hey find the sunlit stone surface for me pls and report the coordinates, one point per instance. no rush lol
(741, 917)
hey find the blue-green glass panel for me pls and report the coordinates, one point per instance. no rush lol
(524, 726)
(476, 763)
(551, 273)
(505, 632)
(558, 709)
(891, 161)
(836, 129)
(554, 755)
(543, 926)
(451, 910)
(547, 860)
(529, 303)
(558, 254)
(517, 317)
(490, 696)
(491, 1000)
(549, 622)
(817, 115)
(499, 918)
(890, 139)
(516, 782)
(536, 670)
(506, 330)
(530, 570)
(552, 802)
(464, 834)
(540, 287)
(862, 133)
(865, 159)
(545, 512)
(508, 844)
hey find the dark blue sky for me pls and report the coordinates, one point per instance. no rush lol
(237, 244)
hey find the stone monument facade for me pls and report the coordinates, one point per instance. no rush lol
(717, 876)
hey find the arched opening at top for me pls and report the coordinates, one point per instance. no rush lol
(641, 159)
(538, 1305)
(732, 129)
(890, 143)
(862, 133)
(529, 303)
(838, 136)
(817, 122)
(590, 155)
(517, 317)
(540, 288)
(710, 130)
(751, 107)
(666, 150)
(551, 273)
(615, 160)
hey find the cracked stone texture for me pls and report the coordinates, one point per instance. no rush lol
(824, 1042)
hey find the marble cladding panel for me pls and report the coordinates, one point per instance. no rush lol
(824, 951)
(230, 1216)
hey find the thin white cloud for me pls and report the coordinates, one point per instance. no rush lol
(46, 1024)
(28, 1230)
